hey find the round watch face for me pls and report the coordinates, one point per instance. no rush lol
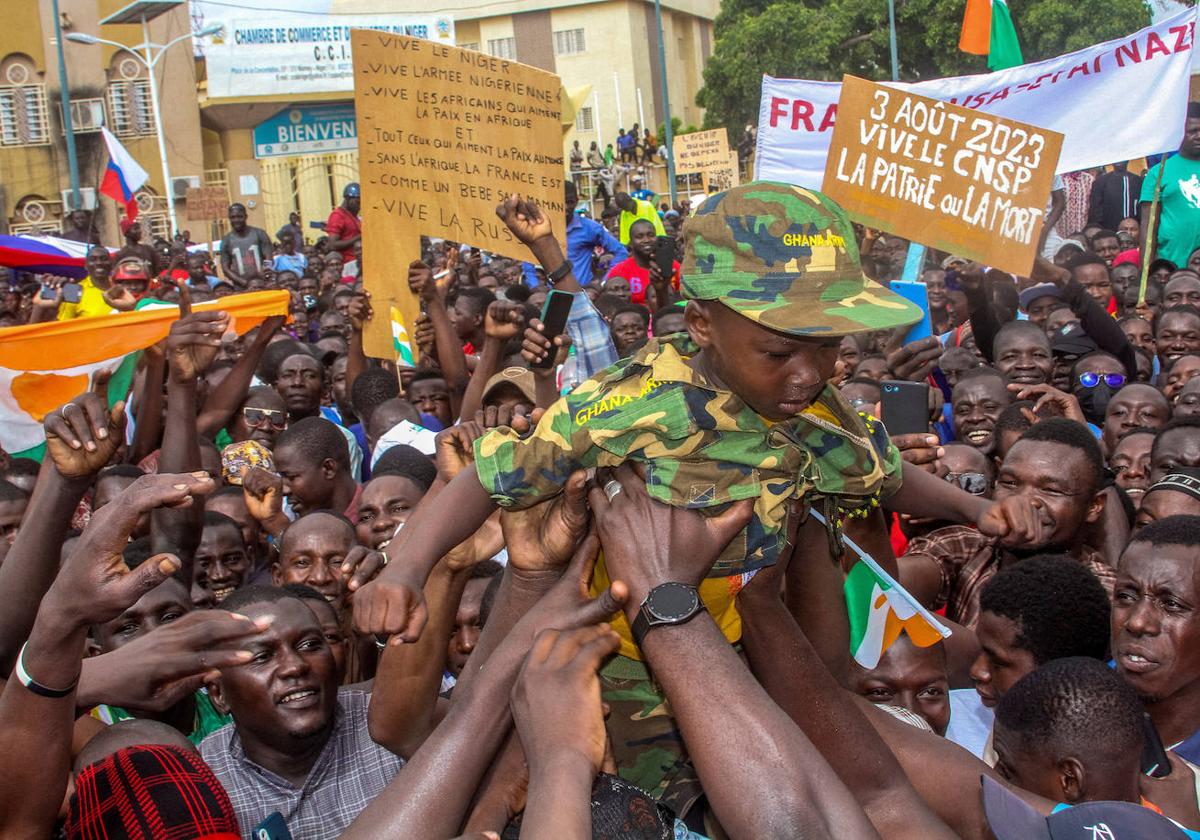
(672, 602)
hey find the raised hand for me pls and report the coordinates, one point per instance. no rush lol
(83, 435)
(119, 297)
(543, 537)
(1046, 396)
(424, 335)
(524, 218)
(556, 698)
(535, 345)
(504, 320)
(920, 450)
(647, 542)
(154, 672)
(916, 360)
(1015, 520)
(359, 311)
(94, 585)
(263, 491)
(361, 565)
(421, 282)
(194, 340)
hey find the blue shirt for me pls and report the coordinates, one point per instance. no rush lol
(583, 235)
(295, 263)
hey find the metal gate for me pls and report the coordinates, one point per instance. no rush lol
(310, 185)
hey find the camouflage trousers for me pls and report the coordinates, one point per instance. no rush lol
(646, 743)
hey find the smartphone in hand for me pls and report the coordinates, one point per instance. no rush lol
(554, 322)
(904, 406)
(664, 256)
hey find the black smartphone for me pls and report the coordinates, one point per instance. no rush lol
(904, 406)
(1154, 756)
(47, 292)
(72, 292)
(664, 255)
(310, 303)
(554, 321)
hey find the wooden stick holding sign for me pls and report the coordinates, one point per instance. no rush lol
(444, 135)
(948, 177)
(1151, 232)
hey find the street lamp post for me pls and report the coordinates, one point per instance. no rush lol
(68, 120)
(662, 65)
(152, 53)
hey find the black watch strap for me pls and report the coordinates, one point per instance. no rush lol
(559, 274)
(652, 614)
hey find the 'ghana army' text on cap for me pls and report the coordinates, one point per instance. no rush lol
(786, 258)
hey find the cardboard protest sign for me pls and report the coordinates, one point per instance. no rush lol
(444, 135)
(958, 180)
(724, 177)
(207, 203)
(700, 151)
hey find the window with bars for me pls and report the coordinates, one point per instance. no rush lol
(155, 225)
(584, 120)
(130, 108)
(569, 42)
(23, 117)
(503, 48)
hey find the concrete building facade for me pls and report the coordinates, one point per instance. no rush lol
(609, 46)
(107, 87)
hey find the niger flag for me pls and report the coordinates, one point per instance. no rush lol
(880, 610)
(44, 365)
(988, 30)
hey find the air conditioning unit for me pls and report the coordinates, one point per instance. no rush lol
(87, 199)
(180, 186)
(86, 115)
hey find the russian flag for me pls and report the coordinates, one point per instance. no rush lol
(45, 255)
(123, 177)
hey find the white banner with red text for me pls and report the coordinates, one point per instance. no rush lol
(1115, 101)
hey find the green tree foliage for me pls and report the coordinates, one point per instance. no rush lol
(824, 39)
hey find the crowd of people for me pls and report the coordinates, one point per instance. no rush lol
(595, 583)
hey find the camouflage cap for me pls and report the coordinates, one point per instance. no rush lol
(786, 257)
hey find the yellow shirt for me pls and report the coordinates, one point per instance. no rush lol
(645, 210)
(91, 304)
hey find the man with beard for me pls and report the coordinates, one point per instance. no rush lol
(1056, 464)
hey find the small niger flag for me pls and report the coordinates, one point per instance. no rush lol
(987, 29)
(42, 366)
(401, 342)
(880, 610)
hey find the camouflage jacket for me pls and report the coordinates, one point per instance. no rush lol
(702, 447)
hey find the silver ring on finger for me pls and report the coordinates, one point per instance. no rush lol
(612, 488)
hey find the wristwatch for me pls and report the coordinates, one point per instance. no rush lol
(667, 603)
(559, 274)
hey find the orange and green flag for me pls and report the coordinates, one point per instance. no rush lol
(988, 29)
(42, 366)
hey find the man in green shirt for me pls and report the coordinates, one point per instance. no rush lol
(1179, 199)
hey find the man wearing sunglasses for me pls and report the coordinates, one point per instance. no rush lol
(1095, 379)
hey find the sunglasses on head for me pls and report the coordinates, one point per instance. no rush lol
(258, 416)
(1112, 380)
(974, 483)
